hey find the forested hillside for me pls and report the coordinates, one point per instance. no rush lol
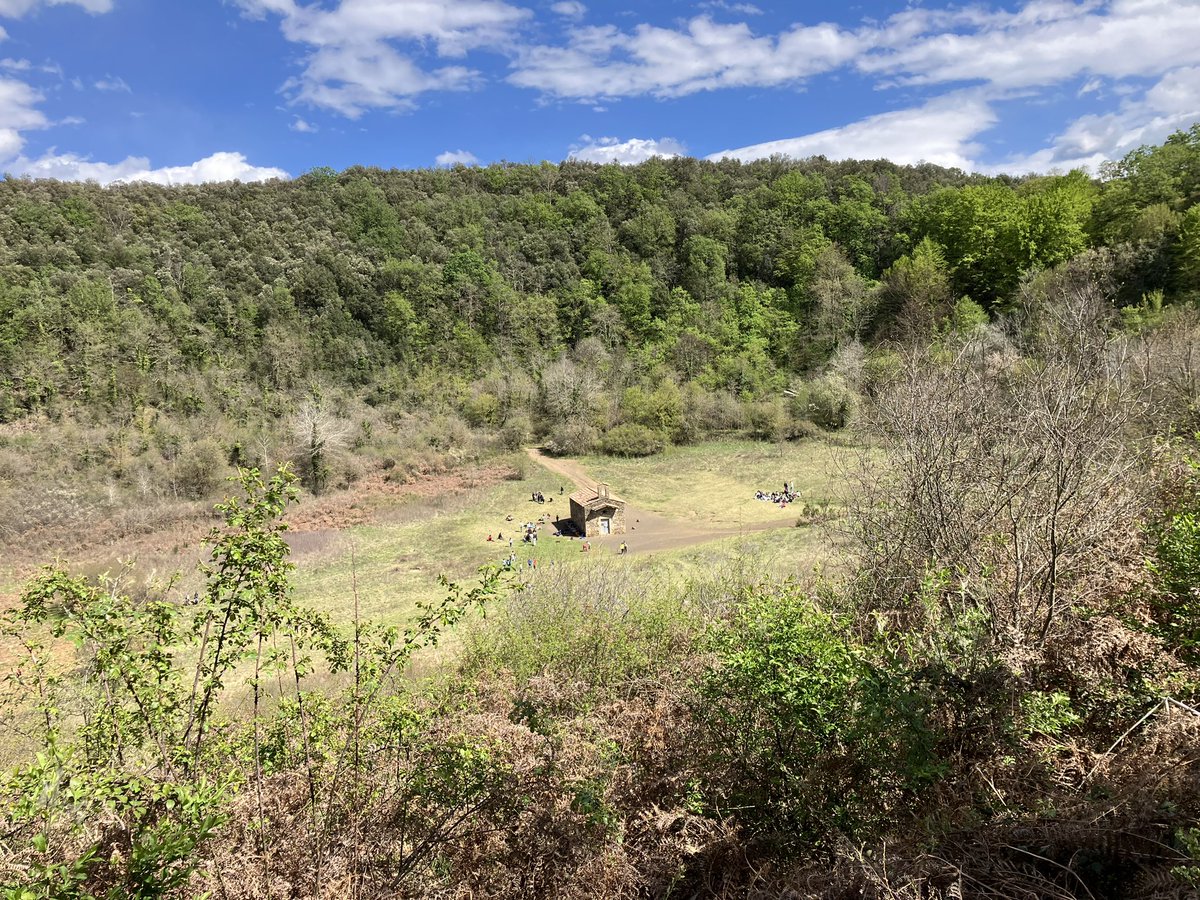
(677, 297)
(988, 687)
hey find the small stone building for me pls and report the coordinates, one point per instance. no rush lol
(597, 513)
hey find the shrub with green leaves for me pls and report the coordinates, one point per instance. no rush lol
(138, 755)
(632, 439)
(1177, 566)
(808, 737)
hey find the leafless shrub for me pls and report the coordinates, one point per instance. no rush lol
(1020, 478)
(1165, 362)
(318, 434)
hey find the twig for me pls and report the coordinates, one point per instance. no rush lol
(1067, 869)
(1128, 732)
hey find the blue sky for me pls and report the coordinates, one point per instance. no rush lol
(196, 90)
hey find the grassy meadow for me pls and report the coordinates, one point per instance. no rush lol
(395, 562)
(713, 484)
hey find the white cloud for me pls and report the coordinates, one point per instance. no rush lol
(1041, 43)
(941, 132)
(16, 8)
(354, 66)
(745, 9)
(225, 166)
(298, 124)
(449, 158)
(18, 112)
(1169, 105)
(945, 131)
(571, 9)
(630, 152)
(24, 65)
(604, 61)
(114, 83)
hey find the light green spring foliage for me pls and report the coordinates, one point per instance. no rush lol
(410, 287)
(1177, 567)
(790, 697)
(132, 726)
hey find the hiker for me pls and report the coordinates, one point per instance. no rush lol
(489, 538)
(624, 547)
(560, 490)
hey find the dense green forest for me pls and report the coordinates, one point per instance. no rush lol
(995, 693)
(675, 299)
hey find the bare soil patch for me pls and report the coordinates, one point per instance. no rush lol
(170, 533)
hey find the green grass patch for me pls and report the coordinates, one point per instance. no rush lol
(713, 484)
(394, 564)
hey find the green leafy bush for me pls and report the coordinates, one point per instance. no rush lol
(1177, 567)
(1047, 713)
(829, 402)
(808, 737)
(632, 439)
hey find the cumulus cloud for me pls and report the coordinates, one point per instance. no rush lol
(1040, 43)
(603, 61)
(18, 113)
(224, 166)
(571, 9)
(630, 152)
(942, 132)
(17, 8)
(300, 125)
(354, 64)
(449, 158)
(946, 131)
(975, 56)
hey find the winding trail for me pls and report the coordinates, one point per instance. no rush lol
(648, 531)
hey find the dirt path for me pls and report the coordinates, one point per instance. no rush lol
(648, 531)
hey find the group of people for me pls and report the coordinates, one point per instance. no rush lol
(528, 532)
(783, 498)
(510, 561)
(539, 497)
